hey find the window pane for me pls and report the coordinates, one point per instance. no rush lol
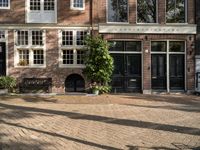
(68, 57)
(133, 46)
(78, 3)
(35, 4)
(2, 34)
(37, 38)
(116, 46)
(146, 11)
(80, 55)
(159, 46)
(23, 57)
(67, 38)
(4, 3)
(117, 11)
(175, 11)
(176, 46)
(49, 4)
(38, 57)
(22, 37)
(80, 36)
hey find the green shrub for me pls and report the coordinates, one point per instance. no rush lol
(98, 62)
(7, 82)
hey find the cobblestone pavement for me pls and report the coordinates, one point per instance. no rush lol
(108, 122)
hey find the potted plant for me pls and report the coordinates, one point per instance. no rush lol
(23, 63)
(7, 84)
(95, 88)
(99, 64)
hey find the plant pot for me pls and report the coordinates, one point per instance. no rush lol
(3, 91)
(95, 91)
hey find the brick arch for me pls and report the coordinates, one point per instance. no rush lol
(74, 83)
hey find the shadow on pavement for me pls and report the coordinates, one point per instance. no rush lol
(109, 120)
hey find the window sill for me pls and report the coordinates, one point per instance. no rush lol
(71, 66)
(117, 23)
(79, 9)
(177, 23)
(6, 8)
(30, 67)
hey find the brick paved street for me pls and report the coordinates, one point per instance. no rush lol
(109, 122)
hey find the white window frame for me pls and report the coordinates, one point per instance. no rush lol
(76, 8)
(186, 15)
(6, 7)
(144, 22)
(30, 47)
(73, 47)
(116, 22)
(167, 53)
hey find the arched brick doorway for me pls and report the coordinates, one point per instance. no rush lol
(74, 83)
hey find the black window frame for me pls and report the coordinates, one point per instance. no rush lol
(156, 14)
(117, 21)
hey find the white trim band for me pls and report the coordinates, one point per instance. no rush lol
(149, 29)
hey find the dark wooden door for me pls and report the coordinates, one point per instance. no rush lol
(127, 73)
(177, 71)
(158, 72)
(2, 59)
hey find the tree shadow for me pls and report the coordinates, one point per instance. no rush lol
(62, 136)
(109, 120)
(20, 145)
(168, 107)
(173, 99)
(178, 146)
(30, 99)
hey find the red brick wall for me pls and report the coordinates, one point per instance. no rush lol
(14, 15)
(67, 16)
(52, 70)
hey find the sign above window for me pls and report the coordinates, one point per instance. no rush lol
(148, 29)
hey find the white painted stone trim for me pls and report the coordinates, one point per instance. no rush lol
(149, 29)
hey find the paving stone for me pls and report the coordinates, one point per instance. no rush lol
(111, 122)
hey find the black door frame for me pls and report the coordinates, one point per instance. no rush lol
(3, 60)
(168, 53)
(125, 75)
(160, 81)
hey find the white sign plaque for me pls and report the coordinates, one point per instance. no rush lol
(149, 29)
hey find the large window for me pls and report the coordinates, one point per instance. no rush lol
(146, 11)
(117, 11)
(176, 11)
(29, 48)
(72, 47)
(78, 4)
(4, 4)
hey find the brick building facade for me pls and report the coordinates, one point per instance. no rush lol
(152, 50)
